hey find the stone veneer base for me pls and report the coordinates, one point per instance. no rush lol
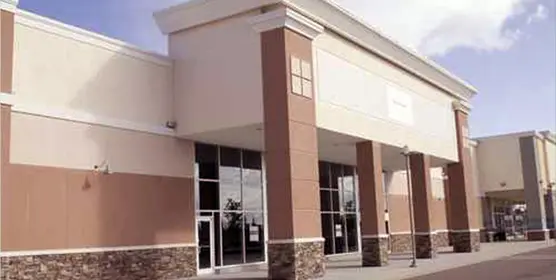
(296, 261)
(167, 263)
(467, 241)
(425, 246)
(401, 243)
(538, 235)
(374, 251)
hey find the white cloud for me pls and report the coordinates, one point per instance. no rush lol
(540, 14)
(435, 27)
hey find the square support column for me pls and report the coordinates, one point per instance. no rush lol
(550, 204)
(464, 212)
(534, 190)
(425, 238)
(374, 239)
(296, 246)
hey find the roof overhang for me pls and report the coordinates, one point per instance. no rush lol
(332, 17)
(8, 5)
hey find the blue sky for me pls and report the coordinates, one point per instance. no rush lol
(505, 48)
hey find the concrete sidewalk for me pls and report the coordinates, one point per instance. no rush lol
(349, 266)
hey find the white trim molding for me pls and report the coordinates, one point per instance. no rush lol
(287, 18)
(465, 230)
(296, 240)
(79, 116)
(35, 21)
(463, 106)
(538, 230)
(369, 236)
(9, 5)
(93, 250)
(331, 16)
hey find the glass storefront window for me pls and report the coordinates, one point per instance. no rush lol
(252, 175)
(206, 162)
(254, 237)
(232, 239)
(230, 179)
(229, 187)
(338, 187)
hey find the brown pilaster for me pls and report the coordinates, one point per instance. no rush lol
(6, 49)
(462, 197)
(373, 229)
(296, 246)
(425, 246)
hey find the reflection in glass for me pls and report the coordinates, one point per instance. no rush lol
(218, 248)
(348, 200)
(339, 234)
(252, 180)
(232, 240)
(325, 203)
(336, 175)
(230, 179)
(326, 223)
(254, 237)
(206, 161)
(335, 200)
(352, 235)
(338, 201)
(324, 175)
(204, 244)
(208, 192)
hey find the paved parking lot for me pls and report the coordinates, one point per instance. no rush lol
(536, 265)
(520, 260)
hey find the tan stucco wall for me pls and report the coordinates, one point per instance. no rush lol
(354, 93)
(551, 160)
(65, 69)
(57, 143)
(218, 80)
(500, 161)
(398, 202)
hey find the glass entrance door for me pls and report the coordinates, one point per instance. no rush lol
(205, 236)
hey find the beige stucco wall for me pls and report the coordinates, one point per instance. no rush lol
(499, 159)
(50, 142)
(397, 183)
(218, 79)
(69, 70)
(362, 95)
(551, 160)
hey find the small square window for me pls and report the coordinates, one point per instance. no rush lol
(306, 72)
(307, 88)
(295, 66)
(297, 85)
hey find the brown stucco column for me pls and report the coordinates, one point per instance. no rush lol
(371, 195)
(296, 246)
(6, 44)
(464, 221)
(534, 189)
(425, 245)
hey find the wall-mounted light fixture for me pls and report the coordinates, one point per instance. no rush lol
(103, 168)
(171, 124)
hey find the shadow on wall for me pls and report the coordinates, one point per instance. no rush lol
(85, 209)
(119, 207)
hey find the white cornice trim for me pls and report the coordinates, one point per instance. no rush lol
(371, 236)
(463, 106)
(94, 250)
(26, 107)
(332, 17)
(296, 240)
(286, 18)
(35, 21)
(9, 5)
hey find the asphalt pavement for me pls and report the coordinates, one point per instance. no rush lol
(536, 265)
